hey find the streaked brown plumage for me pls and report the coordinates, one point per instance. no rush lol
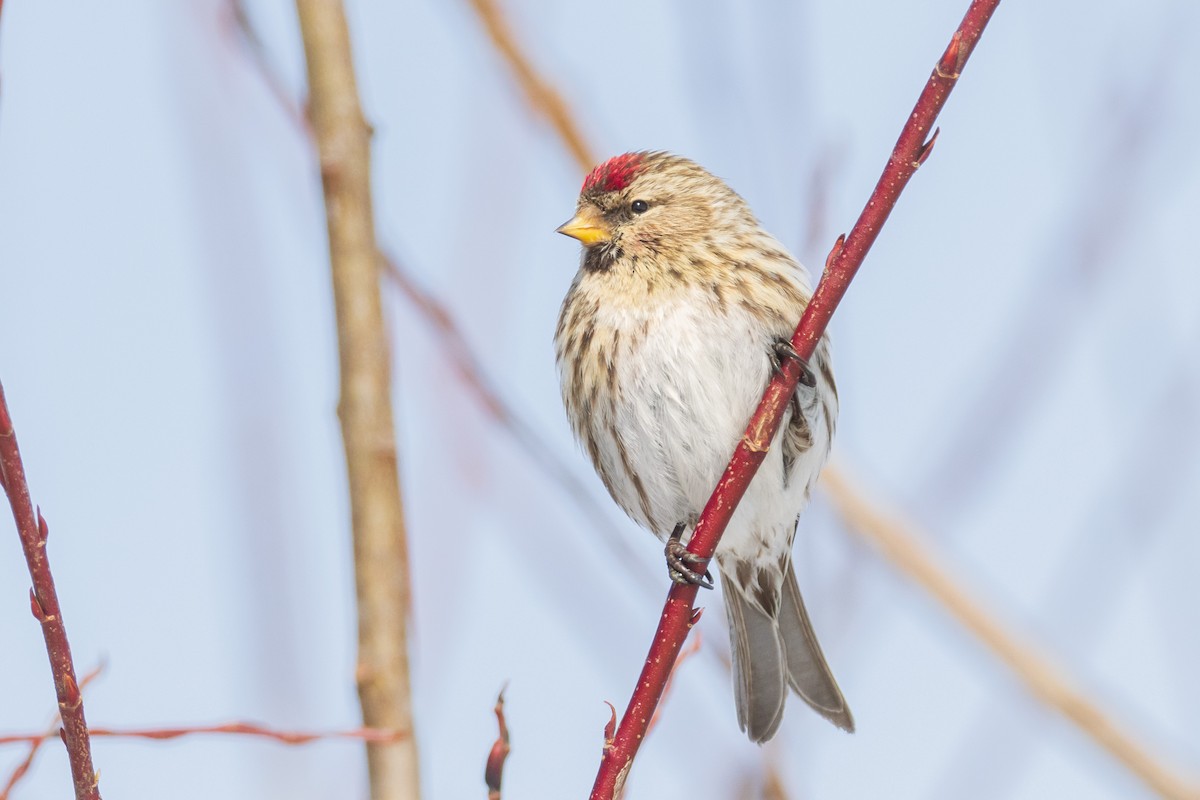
(664, 344)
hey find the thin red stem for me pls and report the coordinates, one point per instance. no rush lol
(35, 744)
(43, 598)
(910, 152)
(373, 735)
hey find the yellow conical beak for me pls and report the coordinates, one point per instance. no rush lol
(587, 227)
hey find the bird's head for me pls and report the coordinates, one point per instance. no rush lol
(654, 209)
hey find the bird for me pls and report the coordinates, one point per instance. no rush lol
(681, 310)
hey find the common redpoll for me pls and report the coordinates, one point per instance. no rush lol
(681, 308)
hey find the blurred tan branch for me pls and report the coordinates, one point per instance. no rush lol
(365, 408)
(902, 547)
(542, 97)
(773, 788)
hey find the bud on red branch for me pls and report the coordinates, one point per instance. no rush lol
(43, 600)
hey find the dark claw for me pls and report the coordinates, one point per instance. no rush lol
(680, 562)
(782, 349)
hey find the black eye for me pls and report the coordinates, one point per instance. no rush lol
(639, 206)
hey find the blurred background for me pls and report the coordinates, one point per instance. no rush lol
(1017, 365)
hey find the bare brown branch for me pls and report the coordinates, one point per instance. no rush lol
(365, 409)
(43, 599)
(902, 548)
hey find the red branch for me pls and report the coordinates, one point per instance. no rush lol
(684, 655)
(373, 735)
(493, 772)
(43, 599)
(847, 255)
(36, 744)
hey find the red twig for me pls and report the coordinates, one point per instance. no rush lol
(372, 735)
(911, 150)
(36, 744)
(494, 771)
(43, 599)
(23, 768)
(684, 655)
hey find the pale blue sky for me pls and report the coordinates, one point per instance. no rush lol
(1016, 363)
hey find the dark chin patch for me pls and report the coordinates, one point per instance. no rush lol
(601, 258)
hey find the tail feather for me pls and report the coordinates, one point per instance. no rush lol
(759, 668)
(773, 652)
(808, 672)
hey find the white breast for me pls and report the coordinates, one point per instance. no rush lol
(689, 376)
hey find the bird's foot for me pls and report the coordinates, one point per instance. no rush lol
(682, 565)
(782, 350)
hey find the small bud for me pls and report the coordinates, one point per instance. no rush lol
(35, 606)
(494, 769)
(835, 251)
(926, 149)
(71, 697)
(610, 730)
(949, 66)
